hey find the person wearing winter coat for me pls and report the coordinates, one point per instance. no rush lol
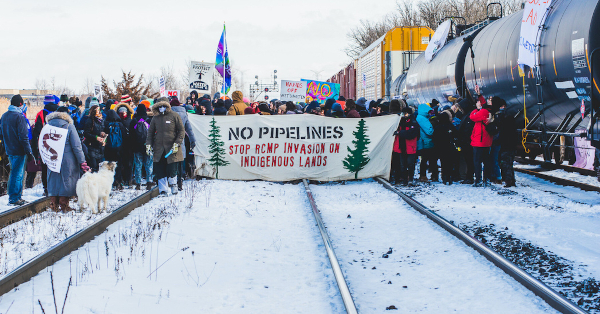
(220, 109)
(125, 112)
(95, 137)
(138, 133)
(238, 104)
(176, 107)
(165, 137)
(351, 109)
(116, 148)
(205, 108)
(444, 139)
(404, 156)
(425, 144)
(50, 105)
(15, 135)
(62, 186)
(481, 142)
(508, 137)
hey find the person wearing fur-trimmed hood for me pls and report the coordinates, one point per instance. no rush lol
(62, 186)
(165, 137)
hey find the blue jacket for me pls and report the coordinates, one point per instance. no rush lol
(15, 132)
(426, 129)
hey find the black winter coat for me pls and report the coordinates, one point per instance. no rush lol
(508, 136)
(93, 127)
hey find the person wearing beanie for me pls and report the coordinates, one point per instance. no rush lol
(220, 109)
(64, 99)
(395, 106)
(238, 106)
(425, 146)
(126, 99)
(313, 108)
(15, 132)
(189, 138)
(204, 107)
(138, 133)
(328, 106)
(444, 139)
(165, 137)
(50, 106)
(481, 141)
(362, 102)
(264, 109)
(145, 103)
(125, 113)
(337, 111)
(404, 156)
(351, 109)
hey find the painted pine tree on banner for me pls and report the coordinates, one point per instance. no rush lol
(216, 150)
(358, 157)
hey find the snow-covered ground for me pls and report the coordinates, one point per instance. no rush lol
(393, 256)
(217, 247)
(32, 236)
(559, 173)
(563, 221)
(29, 195)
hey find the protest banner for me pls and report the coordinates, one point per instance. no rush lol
(173, 93)
(201, 76)
(52, 146)
(294, 91)
(534, 15)
(161, 83)
(292, 147)
(98, 93)
(321, 91)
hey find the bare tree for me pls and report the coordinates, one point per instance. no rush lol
(41, 84)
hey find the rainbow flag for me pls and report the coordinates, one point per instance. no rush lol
(222, 64)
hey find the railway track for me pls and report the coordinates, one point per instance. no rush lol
(553, 298)
(552, 166)
(19, 213)
(32, 267)
(562, 181)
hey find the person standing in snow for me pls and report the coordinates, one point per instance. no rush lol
(138, 131)
(16, 144)
(125, 112)
(180, 110)
(404, 156)
(425, 144)
(165, 137)
(95, 137)
(481, 142)
(62, 186)
(50, 106)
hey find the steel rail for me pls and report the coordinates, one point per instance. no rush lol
(549, 165)
(561, 181)
(19, 213)
(553, 298)
(335, 265)
(32, 267)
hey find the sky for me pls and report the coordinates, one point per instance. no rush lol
(73, 40)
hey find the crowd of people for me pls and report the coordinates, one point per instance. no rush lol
(152, 141)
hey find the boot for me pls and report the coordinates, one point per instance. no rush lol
(64, 204)
(137, 187)
(423, 179)
(180, 186)
(149, 186)
(54, 203)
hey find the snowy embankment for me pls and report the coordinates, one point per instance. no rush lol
(549, 230)
(25, 239)
(30, 195)
(393, 256)
(216, 247)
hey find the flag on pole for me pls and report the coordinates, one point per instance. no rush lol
(222, 63)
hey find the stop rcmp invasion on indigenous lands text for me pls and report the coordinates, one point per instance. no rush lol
(271, 149)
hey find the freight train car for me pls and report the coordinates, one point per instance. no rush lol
(347, 80)
(488, 57)
(383, 61)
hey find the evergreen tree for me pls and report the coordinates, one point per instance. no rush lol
(216, 150)
(358, 158)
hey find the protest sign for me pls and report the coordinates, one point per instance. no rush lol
(173, 93)
(201, 76)
(52, 146)
(534, 16)
(292, 147)
(321, 91)
(294, 91)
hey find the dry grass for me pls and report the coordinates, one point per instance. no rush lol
(31, 111)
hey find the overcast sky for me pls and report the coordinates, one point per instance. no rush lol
(73, 40)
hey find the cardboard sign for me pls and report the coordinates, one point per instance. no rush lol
(52, 146)
(321, 91)
(293, 91)
(201, 76)
(292, 147)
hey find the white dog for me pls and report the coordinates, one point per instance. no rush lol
(95, 187)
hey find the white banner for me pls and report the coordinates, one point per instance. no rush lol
(98, 93)
(52, 146)
(294, 91)
(438, 40)
(534, 15)
(201, 76)
(292, 147)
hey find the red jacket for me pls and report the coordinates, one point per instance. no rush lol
(480, 136)
(408, 133)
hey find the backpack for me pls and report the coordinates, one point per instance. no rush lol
(492, 128)
(115, 138)
(141, 131)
